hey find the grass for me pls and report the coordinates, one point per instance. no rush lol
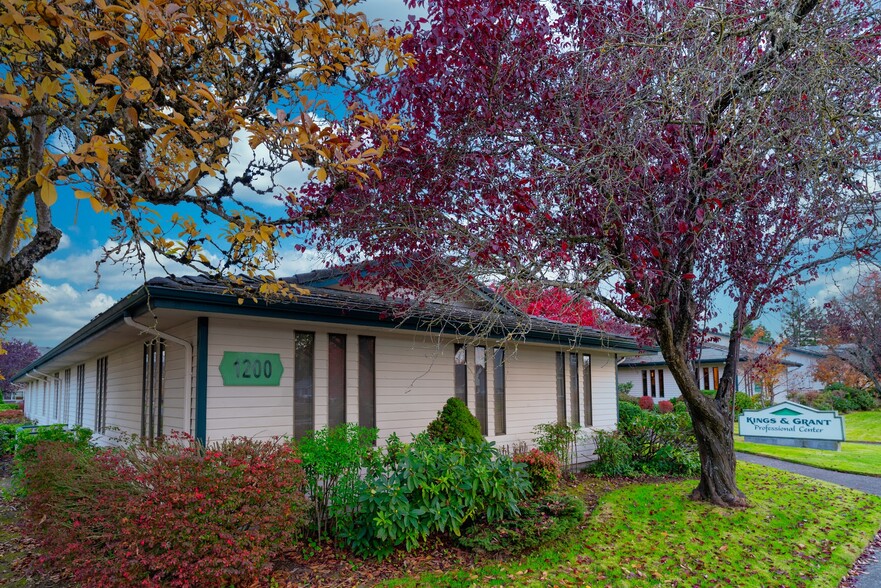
(854, 458)
(799, 532)
(863, 426)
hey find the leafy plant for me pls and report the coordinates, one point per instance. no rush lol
(665, 406)
(7, 438)
(646, 402)
(332, 460)
(171, 514)
(454, 421)
(558, 438)
(543, 468)
(28, 438)
(615, 457)
(434, 486)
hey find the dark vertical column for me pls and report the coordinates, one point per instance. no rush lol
(336, 380)
(499, 391)
(367, 381)
(561, 388)
(480, 404)
(201, 428)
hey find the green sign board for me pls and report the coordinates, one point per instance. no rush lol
(247, 368)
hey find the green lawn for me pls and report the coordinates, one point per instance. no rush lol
(799, 532)
(863, 426)
(855, 458)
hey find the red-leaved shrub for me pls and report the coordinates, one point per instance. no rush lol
(11, 416)
(543, 468)
(646, 402)
(665, 406)
(168, 515)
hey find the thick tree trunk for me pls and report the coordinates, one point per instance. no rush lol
(712, 421)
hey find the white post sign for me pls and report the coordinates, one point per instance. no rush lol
(792, 424)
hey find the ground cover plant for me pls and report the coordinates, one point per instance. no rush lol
(854, 458)
(798, 532)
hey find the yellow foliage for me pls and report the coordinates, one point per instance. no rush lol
(151, 97)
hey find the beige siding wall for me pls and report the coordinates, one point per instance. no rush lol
(414, 377)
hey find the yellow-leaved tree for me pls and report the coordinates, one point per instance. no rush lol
(136, 108)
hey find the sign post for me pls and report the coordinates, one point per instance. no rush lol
(793, 425)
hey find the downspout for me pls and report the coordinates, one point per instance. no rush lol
(188, 364)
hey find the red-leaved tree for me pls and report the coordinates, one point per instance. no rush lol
(652, 156)
(15, 355)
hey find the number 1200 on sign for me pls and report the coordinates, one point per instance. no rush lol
(243, 368)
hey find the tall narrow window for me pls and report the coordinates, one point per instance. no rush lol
(654, 383)
(66, 401)
(574, 397)
(367, 381)
(561, 388)
(80, 393)
(707, 379)
(716, 378)
(57, 410)
(304, 383)
(44, 404)
(661, 383)
(101, 396)
(480, 403)
(460, 360)
(588, 391)
(336, 380)
(645, 383)
(499, 390)
(152, 390)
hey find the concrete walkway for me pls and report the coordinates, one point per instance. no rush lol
(871, 573)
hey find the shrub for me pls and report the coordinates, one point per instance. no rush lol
(454, 421)
(627, 412)
(9, 406)
(665, 406)
(743, 401)
(28, 438)
(434, 486)
(646, 402)
(614, 455)
(680, 408)
(543, 468)
(559, 439)
(332, 461)
(167, 515)
(541, 520)
(836, 397)
(7, 439)
(12, 415)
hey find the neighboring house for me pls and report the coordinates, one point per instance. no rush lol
(182, 355)
(650, 375)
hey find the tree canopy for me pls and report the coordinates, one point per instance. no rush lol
(136, 108)
(15, 355)
(652, 156)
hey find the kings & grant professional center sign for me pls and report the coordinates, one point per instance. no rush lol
(793, 425)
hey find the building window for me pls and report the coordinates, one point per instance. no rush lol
(654, 383)
(661, 383)
(480, 387)
(707, 379)
(561, 388)
(715, 378)
(645, 383)
(80, 393)
(367, 381)
(57, 407)
(574, 397)
(336, 380)
(588, 391)
(460, 376)
(101, 396)
(45, 403)
(304, 383)
(499, 390)
(66, 400)
(152, 390)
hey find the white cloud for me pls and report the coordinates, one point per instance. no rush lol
(67, 308)
(841, 280)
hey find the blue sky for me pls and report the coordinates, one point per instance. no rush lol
(75, 293)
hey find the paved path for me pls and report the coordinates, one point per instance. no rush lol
(871, 576)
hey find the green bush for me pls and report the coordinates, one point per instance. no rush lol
(543, 468)
(541, 520)
(9, 406)
(614, 455)
(332, 460)
(433, 486)
(454, 421)
(28, 438)
(837, 397)
(7, 438)
(743, 401)
(559, 439)
(627, 412)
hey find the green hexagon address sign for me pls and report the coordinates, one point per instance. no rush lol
(247, 368)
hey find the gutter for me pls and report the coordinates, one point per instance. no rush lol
(188, 363)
